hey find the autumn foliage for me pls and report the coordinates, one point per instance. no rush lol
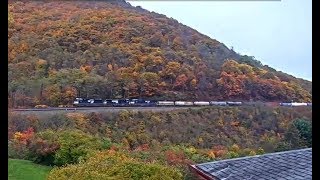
(58, 50)
(136, 144)
(115, 165)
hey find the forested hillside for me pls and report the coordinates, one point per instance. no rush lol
(62, 49)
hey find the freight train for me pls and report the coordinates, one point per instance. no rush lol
(82, 102)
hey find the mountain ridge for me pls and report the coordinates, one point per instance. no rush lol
(62, 49)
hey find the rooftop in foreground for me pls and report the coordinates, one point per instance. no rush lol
(287, 165)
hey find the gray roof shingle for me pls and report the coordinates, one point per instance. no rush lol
(287, 165)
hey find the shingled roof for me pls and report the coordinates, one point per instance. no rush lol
(287, 165)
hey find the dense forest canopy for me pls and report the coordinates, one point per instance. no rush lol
(59, 50)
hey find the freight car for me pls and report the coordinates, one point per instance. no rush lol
(201, 103)
(218, 103)
(294, 104)
(183, 103)
(165, 103)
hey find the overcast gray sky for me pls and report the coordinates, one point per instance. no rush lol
(278, 33)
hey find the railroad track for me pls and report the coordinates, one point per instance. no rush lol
(157, 108)
(98, 108)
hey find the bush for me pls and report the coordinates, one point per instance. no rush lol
(43, 147)
(199, 158)
(232, 154)
(54, 148)
(305, 130)
(74, 146)
(114, 165)
(18, 147)
(17, 150)
(283, 146)
(260, 151)
(42, 151)
(299, 134)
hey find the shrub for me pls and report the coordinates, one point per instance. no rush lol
(74, 146)
(211, 155)
(17, 150)
(232, 154)
(114, 165)
(283, 146)
(235, 148)
(305, 130)
(43, 151)
(64, 147)
(18, 147)
(252, 153)
(43, 147)
(199, 158)
(260, 151)
(190, 151)
(175, 157)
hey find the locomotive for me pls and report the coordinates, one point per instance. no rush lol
(82, 102)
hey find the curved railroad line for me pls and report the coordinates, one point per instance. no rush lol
(153, 108)
(97, 109)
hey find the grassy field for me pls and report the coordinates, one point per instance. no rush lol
(26, 170)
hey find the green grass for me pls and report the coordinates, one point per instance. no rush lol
(26, 170)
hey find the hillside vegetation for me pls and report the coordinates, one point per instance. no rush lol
(149, 145)
(62, 49)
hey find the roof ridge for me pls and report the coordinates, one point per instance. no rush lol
(256, 156)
